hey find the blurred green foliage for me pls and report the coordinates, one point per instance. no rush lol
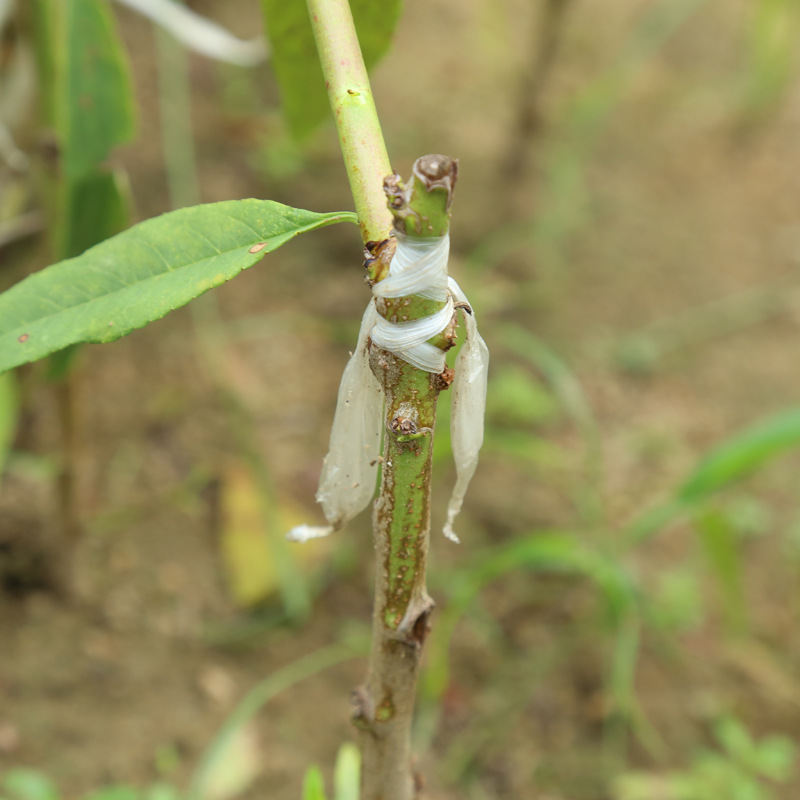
(29, 784)
(772, 49)
(294, 54)
(740, 769)
(346, 777)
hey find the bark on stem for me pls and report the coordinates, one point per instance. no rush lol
(384, 705)
(353, 107)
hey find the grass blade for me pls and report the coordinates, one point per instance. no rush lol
(252, 703)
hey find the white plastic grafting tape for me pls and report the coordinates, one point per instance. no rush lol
(350, 469)
(347, 484)
(409, 340)
(419, 266)
(468, 407)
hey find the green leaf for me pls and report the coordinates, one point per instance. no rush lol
(735, 739)
(742, 455)
(88, 96)
(254, 701)
(721, 545)
(236, 767)
(87, 99)
(294, 54)
(551, 552)
(347, 773)
(775, 758)
(313, 785)
(114, 793)
(516, 398)
(161, 791)
(28, 784)
(772, 34)
(556, 553)
(95, 208)
(143, 273)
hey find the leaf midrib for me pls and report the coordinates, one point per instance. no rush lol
(121, 290)
(242, 249)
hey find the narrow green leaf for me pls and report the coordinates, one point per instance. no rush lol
(28, 784)
(548, 552)
(653, 520)
(97, 110)
(569, 391)
(347, 773)
(236, 768)
(95, 208)
(161, 791)
(625, 657)
(774, 758)
(93, 107)
(252, 703)
(43, 28)
(313, 785)
(294, 54)
(772, 34)
(87, 96)
(742, 454)
(735, 739)
(114, 793)
(143, 273)
(552, 552)
(722, 550)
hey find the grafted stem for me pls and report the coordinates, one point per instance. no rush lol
(384, 705)
(401, 522)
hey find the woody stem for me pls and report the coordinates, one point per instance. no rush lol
(383, 706)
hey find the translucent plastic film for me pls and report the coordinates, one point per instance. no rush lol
(419, 267)
(349, 472)
(468, 409)
(409, 340)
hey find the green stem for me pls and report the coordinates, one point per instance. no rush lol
(360, 136)
(175, 110)
(384, 705)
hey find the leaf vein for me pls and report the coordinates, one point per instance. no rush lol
(203, 236)
(163, 258)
